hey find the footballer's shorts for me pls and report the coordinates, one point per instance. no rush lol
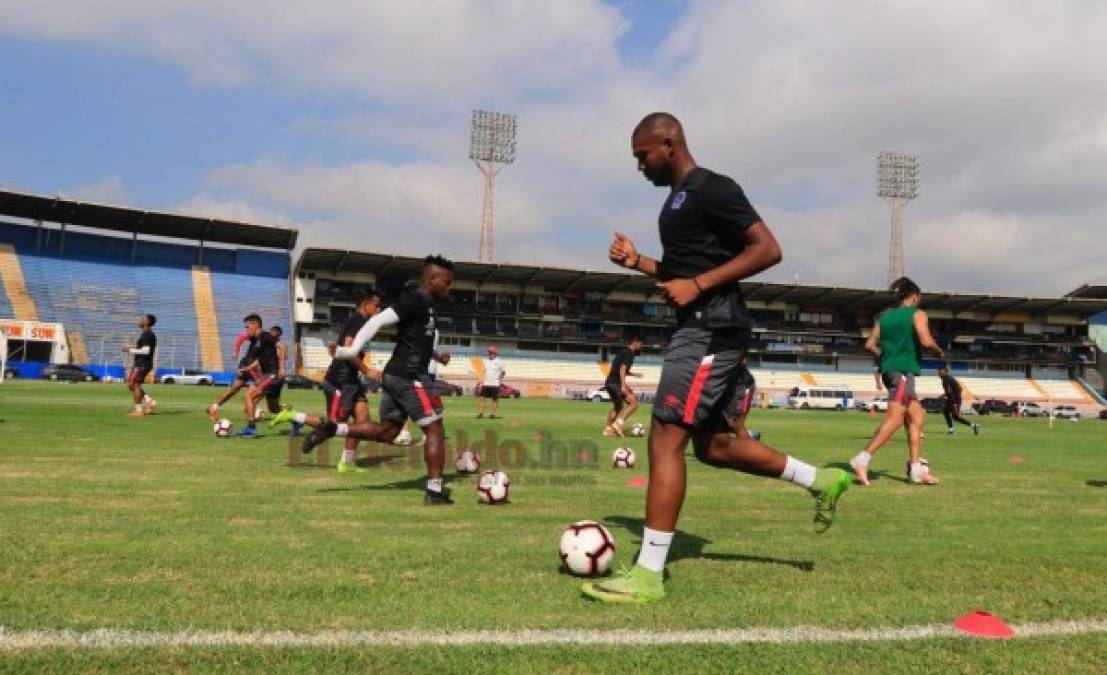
(342, 399)
(402, 398)
(138, 375)
(900, 386)
(743, 397)
(616, 393)
(700, 374)
(488, 391)
(247, 375)
(270, 385)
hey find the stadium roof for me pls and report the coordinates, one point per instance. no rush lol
(1096, 291)
(579, 281)
(120, 219)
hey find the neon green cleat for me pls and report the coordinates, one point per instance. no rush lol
(636, 585)
(283, 417)
(828, 487)
(350, 467)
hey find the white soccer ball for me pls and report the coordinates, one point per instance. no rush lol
(402, 438)
(623, 458)
(223, 428)
(467, 462)
(638, 429)
(586, 548)
(493, 487)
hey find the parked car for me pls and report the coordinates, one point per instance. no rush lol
(1103, 414)
(1067, 412)
(188, 376)
(509, 392)
(598, 396)
(994, 406)
(295, 381)
(933, 405)
(444, 388)
(68, 373)
(1029, 409)
(877, 403)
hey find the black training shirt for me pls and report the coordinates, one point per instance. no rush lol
(625, 357)
(268, 357)
(415, 335)
(344, 371)
(952, 389)
(703, 224)
(147, 339)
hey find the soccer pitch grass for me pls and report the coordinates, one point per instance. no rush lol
(155, 525)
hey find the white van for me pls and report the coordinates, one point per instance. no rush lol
(828, 397)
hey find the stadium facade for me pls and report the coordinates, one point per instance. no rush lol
(81, 273)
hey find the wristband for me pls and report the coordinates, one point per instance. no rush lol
(697, 283)
(637, 259)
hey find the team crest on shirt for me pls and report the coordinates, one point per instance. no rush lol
(678, 199)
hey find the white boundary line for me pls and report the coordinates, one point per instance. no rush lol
(115, 638)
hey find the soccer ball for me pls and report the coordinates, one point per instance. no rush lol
(623, 458)
(467, 462)
(586, 548)
(402, 438)
(493, 487)
(223, 428)
(638, 430)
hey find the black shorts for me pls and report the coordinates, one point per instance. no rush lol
(247, 375)
(342, 399)
(402, 398)
(138, 375)
(743, 399)
(698, 380)
(616, 394)
(488, 391)
(270, 385)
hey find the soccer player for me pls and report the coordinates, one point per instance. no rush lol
(243, 374)
(494, 372)
(623, 400)
(406, 387)
(143, 354)
(270, 364)
(343, 388)
(898, 338)
(711, 238)
(952, 407)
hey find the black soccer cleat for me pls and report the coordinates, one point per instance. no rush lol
(318, 436)
(432, 498)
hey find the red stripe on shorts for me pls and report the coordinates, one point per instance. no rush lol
(901, 390)
(694, 392)
(424, 399)
(263, 382)
(334, 405)
(746, 402)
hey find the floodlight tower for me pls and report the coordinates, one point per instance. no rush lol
(897, 181)
(491, 146)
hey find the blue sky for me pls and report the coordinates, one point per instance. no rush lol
(348, 120)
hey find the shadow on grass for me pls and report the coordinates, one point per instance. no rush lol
(416, 484)
(687, 545)
(1096, 483)
(873, 475)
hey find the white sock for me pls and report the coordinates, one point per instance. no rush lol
(655, 549)
(214, 406)
(342, 429)
(138, 407)
(299, 418)
(618, 422)
(434, 484)
(146, 398)
(349, 455)
(862, 459)
(800, 473)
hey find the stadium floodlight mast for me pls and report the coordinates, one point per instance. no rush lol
(491, 146)
(897, 181)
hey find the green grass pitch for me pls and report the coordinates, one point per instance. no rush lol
(154, 524)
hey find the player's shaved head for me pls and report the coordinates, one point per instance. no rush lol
(659, 147)
(659, 121)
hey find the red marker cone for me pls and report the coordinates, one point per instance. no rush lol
(637, 481)
(1015, 459)
(984, 624)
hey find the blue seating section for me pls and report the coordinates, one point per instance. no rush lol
(92, 285)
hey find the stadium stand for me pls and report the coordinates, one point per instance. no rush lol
(96, 285)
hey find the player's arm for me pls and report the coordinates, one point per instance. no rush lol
(922, 328)
(873, 343)
(282, 354)
(386, 318)
(442, 357)
(761, 252)
(623, 253)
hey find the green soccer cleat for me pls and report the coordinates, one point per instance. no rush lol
(350, 467)
(283, 417)
(828, 487)
(636, 585)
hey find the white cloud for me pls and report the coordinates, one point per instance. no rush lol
(1006, 107)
